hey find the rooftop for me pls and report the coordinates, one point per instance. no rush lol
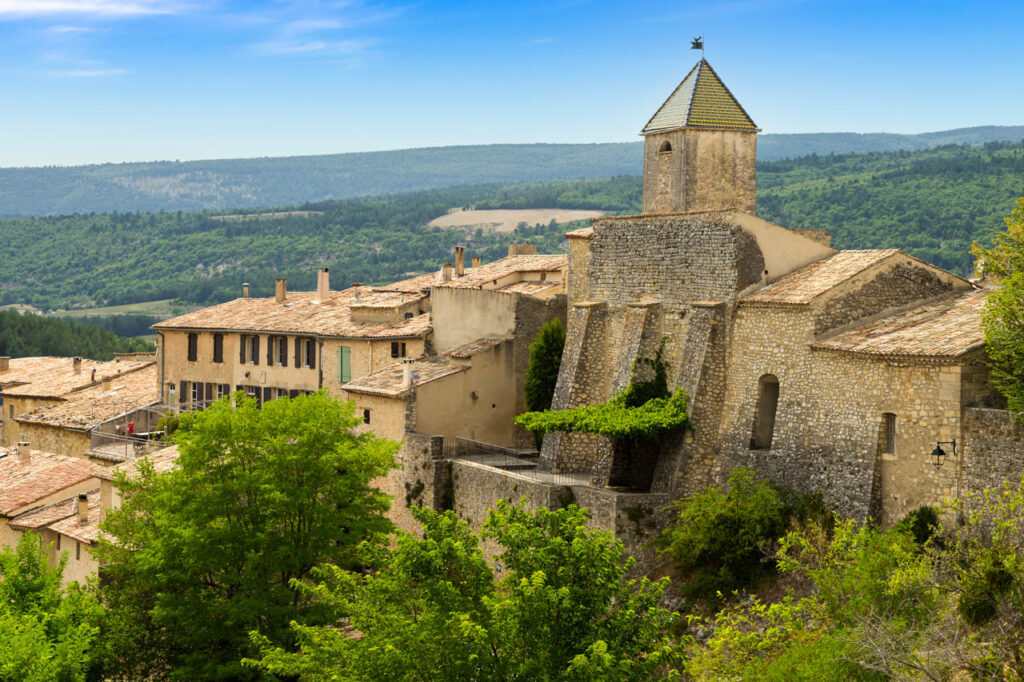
(163, 460)
(701, 101)
(947, 328)
(470, 349)
(40, 518)
(815, 279)
(488, 274)
(82, 410)
(388, 382)
(52, 377)
(83, 532)
(24, 482)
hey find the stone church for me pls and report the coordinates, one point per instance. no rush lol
(829, 370)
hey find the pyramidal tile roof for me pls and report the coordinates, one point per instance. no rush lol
(700, 101)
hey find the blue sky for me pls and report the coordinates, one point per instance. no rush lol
(88, 81)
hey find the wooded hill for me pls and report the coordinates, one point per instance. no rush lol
(930, 203)
(30, 335)
(247, 183)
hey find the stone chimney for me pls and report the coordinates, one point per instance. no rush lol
(107, 381)
(76, 365)
(245, 290)
(83, 509)
(477, 261)
(524, 249)
(407, 373)
(446, 272)
(460, 260)
(92, 377)
(359, 296)
(22, 449)
(280, 289)
(323, 285)
(5, 363)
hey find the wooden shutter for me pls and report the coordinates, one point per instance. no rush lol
(242, 340)
(293, 393)
(311, 351)
(270, 350)
(298, 352)
(182, 395)
(282, 351)
(255, 350)
(266, 394)
(344, 364)
(209, 393)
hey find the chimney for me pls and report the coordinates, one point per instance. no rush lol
(460, 260)
(5, 363)
(477, 261)
(83, 508)
(323, 285)
(280, 288)
(446, 272)
(407, 373)
(76, 365)
(245, 290)
(24, 454)
(524, 249)
(92, 378)
(106, 384)
(359, 296)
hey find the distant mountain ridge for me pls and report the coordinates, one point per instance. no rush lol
(286, 181)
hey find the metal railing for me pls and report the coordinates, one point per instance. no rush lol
(524, 462)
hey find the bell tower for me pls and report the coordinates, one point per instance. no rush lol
(700, 149)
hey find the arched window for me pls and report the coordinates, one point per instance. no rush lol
(764, 417)
(666, 146)
(888, 432)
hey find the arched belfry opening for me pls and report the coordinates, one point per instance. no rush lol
(700, 149)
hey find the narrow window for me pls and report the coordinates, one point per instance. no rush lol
(243, 341)
(78, 551)
(282, 351)
(344, 364)
(254, 350)
(764, 418)
(58, 542)
(408, 316)
(311, 353)
(197, 395)
(366, 416)
(218, 348)
(888, 432)
(666, 147)
(223, 390)
(403, 349)
(394, 349)
(193, 347)
(271, 343)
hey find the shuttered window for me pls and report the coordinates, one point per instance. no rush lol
(282, 351)
(242, 341)
(254, 350)
(193, 347)
(218, 348)
(344, 364)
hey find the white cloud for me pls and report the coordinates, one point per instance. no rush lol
(64, 28)
(278, 47)
(88, 73)
(110, 8)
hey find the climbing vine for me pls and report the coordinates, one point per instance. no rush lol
(644, 409)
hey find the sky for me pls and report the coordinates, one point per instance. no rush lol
(97, 81)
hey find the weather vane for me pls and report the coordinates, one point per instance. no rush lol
(698, 44)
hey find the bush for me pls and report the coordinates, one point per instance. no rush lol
(921, 524)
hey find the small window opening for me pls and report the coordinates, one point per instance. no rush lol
(366, 416)
(764, 417)
(888, 432)
(408, 316)
(666, 147)
(78, 551)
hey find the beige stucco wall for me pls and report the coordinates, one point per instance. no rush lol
(366, 357)
(14, 406)
(56, 439)
(80, 565)
(460, 316)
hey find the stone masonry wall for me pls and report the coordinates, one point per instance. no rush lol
(891, 288)
(993, 450)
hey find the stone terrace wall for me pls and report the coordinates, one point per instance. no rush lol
(993, 449)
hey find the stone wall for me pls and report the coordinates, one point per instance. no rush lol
(993, 450)
(420, 479)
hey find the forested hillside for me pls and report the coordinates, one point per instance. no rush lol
(246, 183)
(930, 203)
(29, 335)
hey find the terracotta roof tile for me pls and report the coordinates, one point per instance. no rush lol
(50, 377)
(486, 274)
(163, 460)
(811, 281)
(40, 518)
(43, 474)
(470, 349)
(83, 532)
(82, 410)
(947, 328)
(529, 288)
(388, 382)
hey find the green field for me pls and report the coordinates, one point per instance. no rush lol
(163, 308)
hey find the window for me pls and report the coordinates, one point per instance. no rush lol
(408, 316)
(888, 432)
(193, 347)
(218, 348)
(243, 343)
(254, 350)
(366, 416)
(78, 551)
(310, 359)
(397, 349)
(58, 542)
(344, 364)
(666, 146)
(223, 390)
(196, 394)
(282, 351)
(764, 418)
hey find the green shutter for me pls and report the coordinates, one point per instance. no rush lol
(344, 364)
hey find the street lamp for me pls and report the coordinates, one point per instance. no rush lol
(939, 456)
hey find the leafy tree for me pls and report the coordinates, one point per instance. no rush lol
(1003, 317)
(199, 556)
(545, 359)
(561, 610)
(48, 634)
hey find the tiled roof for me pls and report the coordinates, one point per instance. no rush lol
(41, 518)
(947, 328)
(388, 382)
(50, 377)
(163, 460)
(815, 279)
(529, 288)
(302, 314)
(83, 532)
(470, 349)
(90, 407)
(582, 233)
(24, 482)
(481, 277)
(702, 101)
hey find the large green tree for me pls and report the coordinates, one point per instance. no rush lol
(1003, 317)
(559, 608)
(199, 556)
(545, 359)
